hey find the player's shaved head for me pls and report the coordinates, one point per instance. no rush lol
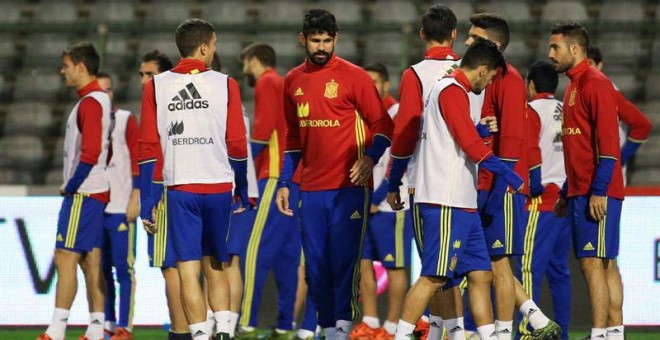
(380, 69)
(438, 23)
(574, 33)
(544, 76)
(319, 21)
(191, 34)
(85, 53)
(495, 25)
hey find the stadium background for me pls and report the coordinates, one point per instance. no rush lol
(34, 101)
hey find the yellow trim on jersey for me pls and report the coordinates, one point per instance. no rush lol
(273, 156)
(74, 220)
(355, 307)
(508, 222)
(602, 249)
(160, 237)
(360, 134)
(253, 250)
(445, 236)
(130, 260)
(526, 261)
(398, 239)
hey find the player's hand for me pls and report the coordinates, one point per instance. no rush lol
(361, 170)
(373, 209)
(150, 225)
(63, 192)
(282, 200)
(242, 196)
(598, 207)
(490, 123)
(561, 208)
(133, 208)
(394, 200)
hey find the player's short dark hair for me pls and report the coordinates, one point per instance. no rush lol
(574, 33)
(594, 54)
(544, 76)
(380, 69)
(319, 21)
(191, 34)
(438, 22)
(163, 61)
(495, 25)
(483, 52)
(102, 74)
(84, 52)
(263, 52)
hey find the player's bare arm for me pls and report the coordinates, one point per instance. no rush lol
(394, 200)
(561, 208)
(133, 208)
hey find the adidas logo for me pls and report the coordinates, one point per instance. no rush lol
(388, 258)
(456, 329)
(504, 331)
(188, 99)
(614, 331)
(96, 322)
(60, 238)
(588, 246)
(602, 336)
(299, 92)
(355, 215)
(341, 330)
(175, 128)
(122, 227)
(531, 311)
(64, 320)
(434, 324)
(497, 244)
(199, 333)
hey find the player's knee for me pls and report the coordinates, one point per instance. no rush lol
(480, 278)
(436, 282)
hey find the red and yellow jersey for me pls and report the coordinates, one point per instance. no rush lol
(269, 126)
(332, 112)
(506, 99)
(590, 130)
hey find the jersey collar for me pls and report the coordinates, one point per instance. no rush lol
(544, 95)
(462, 79)
(91, 87)
(578, 69)
(441, 53)
(190, 66)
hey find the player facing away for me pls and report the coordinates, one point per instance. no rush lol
(502, 209)
(85, 191)
(388, 239)
(634, 126)
(119, 219)
(546, 246)
(439, 33)
(274, 242)
(159, 244)
(594, 186)
(193, 115)
(338, 126)
(445, 190)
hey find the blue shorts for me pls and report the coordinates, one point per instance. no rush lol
(159, 244)
(199, 224)
(240, 229)
(453, 242)
(505, 232)
(388, 239)
(590, 237)
(80, 224)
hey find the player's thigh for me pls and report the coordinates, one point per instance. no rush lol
(185, 224)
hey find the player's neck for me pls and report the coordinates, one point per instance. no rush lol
(432, 43)
(260, 70)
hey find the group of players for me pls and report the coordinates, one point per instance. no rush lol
(492, 163)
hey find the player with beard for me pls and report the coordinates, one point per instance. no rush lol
(337, 125)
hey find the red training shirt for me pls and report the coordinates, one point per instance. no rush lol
(332, 112)
(269, 125)
(590, 129)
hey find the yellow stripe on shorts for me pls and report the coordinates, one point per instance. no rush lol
(74, 220)
(355, 308)
(398, 239)
(508, 222)
(445, 236)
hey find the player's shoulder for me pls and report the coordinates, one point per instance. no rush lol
(512, 74)
(344, 65)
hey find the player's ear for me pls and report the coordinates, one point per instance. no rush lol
(386, 86)
(422, 35)
(454, 34)
(301, 38)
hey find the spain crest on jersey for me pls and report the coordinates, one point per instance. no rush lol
(331, 89)
(571, 99)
